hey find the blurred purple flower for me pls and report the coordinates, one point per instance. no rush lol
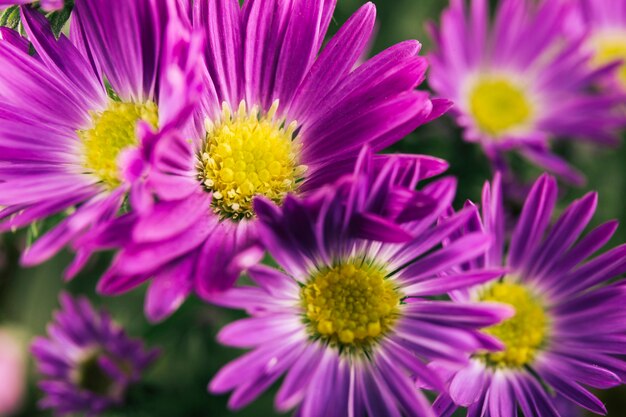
(88, 361)
(68, 114)
(277, 117)
(517, 82)
(351, 315)
(12, 373)
(569, 329)
(602, 25)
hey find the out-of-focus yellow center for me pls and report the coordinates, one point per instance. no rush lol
(111, 131)
(248, 154)
(524, 333)
(499, 106)
(611, 48)
(350, 305)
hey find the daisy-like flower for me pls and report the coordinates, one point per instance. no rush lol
(518, 83)
(277, 117)
(603, 24)
(47, 5)
(569, 328)
(350, 318)
(87, 360)
(69, 113)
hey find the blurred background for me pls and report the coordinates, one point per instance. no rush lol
(176, 385)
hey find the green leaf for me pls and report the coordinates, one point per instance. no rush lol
(41, 227)
(10, 18)
(59, 19)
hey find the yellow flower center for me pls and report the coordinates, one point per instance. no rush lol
(524, 333)
(350, 305)
(499, 106)
(248, 154)
(610, 48)
(112, 131)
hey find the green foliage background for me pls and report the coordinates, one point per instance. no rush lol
(176, 385)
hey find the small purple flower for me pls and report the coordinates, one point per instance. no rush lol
(569, 330)
(88, 361)
(351, 314)
(518, 83)
(277, 117)
(602, 24)
(47, 5)
(68, 114)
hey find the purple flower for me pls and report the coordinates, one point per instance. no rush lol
(88, 361)
(518, 84)
(47, 5)
(602, 24)
(68, 114)
(351, 314)
(569, 329)
(277, 117)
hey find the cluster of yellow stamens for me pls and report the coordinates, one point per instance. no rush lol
(246, 154)
(609, 48)
(350, 305)
(499, 106)
(111, 131)
(525, 333)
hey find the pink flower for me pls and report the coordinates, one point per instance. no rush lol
(12, 373)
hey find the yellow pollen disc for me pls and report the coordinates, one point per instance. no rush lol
(248, 154)
(350, 305)
(524, 333)
(113, 130)
(611, 48)
(499, 106)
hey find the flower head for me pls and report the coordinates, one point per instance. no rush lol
(568, 330)
(519, 82)
(69, 114)
(602, 25)
(87, 360)
(349, 317)
(277, 117)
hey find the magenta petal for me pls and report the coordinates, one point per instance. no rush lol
(169, 218)
(114, 283)
(62, 57)
(533, 220)
(334, 63)
(460, 251)
(468, 384)
(299, 48)
(144, 258)
(169, 289)
(372, 227)
(89, 215)
(229, 251)
(128, 56)
(14, 38)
